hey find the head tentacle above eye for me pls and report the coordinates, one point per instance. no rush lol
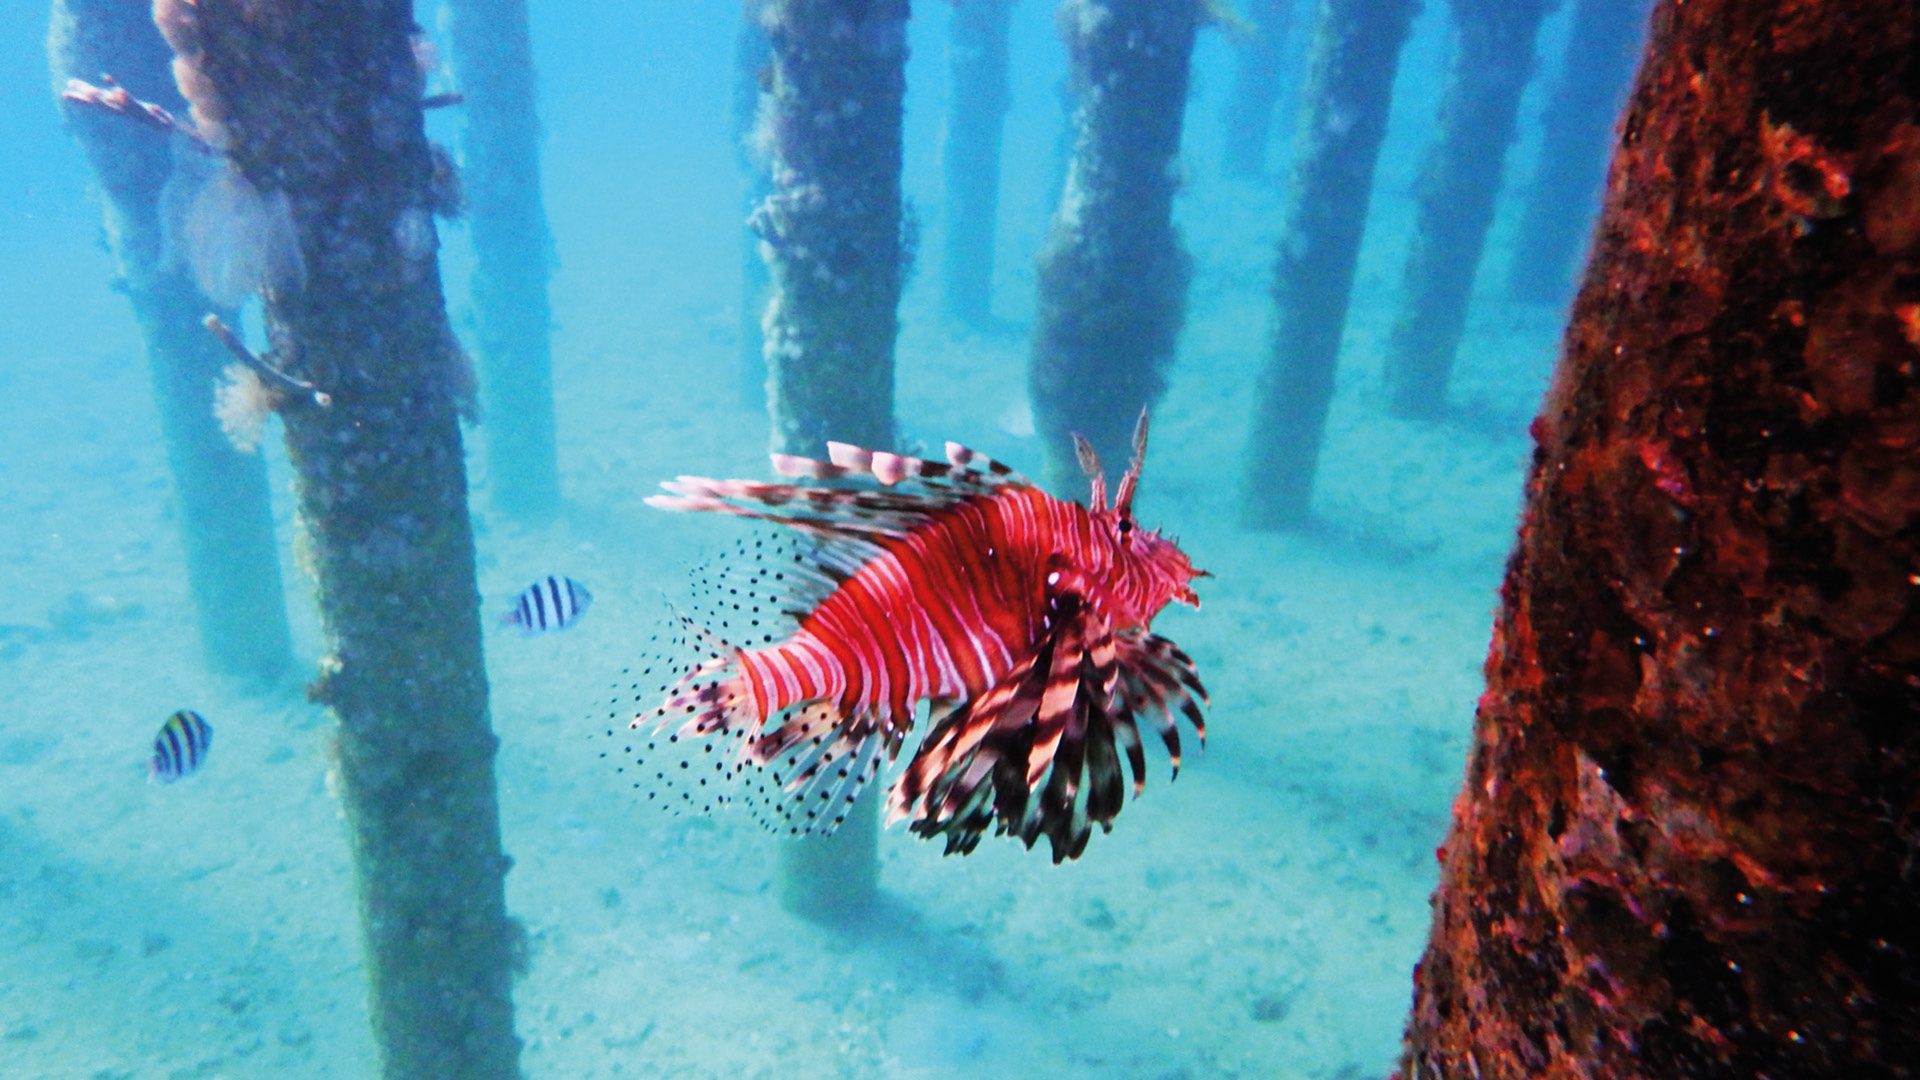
(1090, 464)
(1130, 483)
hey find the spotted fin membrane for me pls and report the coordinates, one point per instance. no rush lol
(801, 772)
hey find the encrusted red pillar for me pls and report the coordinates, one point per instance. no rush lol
(1689, 840)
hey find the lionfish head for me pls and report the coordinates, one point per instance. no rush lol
(1167, 570)
(1153, 560)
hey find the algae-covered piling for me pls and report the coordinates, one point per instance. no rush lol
(321, 106)
(1492, 62)
(226, 520)
(500, 150)
(1112, 273)
(1564, 194)
(1259, 74)
(751, 55)
(832, 232)
(1348, 91)
(970, 154)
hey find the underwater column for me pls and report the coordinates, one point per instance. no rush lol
(970, 154)
(1343, 118)
(831, 232)
(752, 53)
(1686, 842)
(1602, 47)
(513, 251)
(1259, 74)
(226, 515)
(1458, 188)
(1112, 276)
(319, 109)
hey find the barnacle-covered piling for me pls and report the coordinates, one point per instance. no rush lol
(1112, 274)
(970, 154)
(1492, 62)
(500, 147)
(1349, 89)
(322, 104)
(226, 519)
(1259, 74)
(1603, 45)
(832, 231)
(1686, 843)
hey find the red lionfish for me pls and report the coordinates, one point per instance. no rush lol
(1022, 619)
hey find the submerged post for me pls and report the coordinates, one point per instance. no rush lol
(1348, 92)
(1112, 274)
(1258, 77)
(751, 55)
(500, 148)
(970, 155)
(1492, 62)
(226, 517)
(318, 111)
(832, 233)
(1561, 201)
(1686, 844)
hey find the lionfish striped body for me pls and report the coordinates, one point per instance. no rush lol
(1021, 618)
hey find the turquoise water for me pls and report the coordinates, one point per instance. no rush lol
(1259, 917)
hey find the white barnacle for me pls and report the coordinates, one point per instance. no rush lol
(414, 235)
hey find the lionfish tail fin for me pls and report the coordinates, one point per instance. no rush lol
(680, 722)
(712, 696)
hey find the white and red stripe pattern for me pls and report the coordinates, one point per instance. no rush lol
(1021, 618)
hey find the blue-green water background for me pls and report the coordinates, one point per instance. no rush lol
(1258, 918)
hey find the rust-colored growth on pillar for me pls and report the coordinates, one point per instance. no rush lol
(1689, 840)
(1492, 63)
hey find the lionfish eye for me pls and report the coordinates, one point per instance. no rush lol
(1126, 525)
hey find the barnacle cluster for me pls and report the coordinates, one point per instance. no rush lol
(235, 238)
(242, 402)
(179, 23)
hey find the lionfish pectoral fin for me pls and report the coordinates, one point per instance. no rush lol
(1037, 754)
(945, 786)
(1050, 748)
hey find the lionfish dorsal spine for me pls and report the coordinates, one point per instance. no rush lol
(1130, 483)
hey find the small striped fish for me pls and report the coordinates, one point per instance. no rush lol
(552, 603)
(1021, 618)
(180, 748)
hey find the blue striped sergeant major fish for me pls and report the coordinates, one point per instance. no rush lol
(552, 603)
(180, 748)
